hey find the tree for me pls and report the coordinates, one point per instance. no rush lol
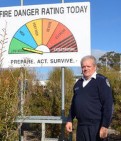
(111, 60)
(54, 89)
(115, 81)
(47, 101)
(9, 110)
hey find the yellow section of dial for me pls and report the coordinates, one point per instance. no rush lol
(35, 28)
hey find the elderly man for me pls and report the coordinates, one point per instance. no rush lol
(92, 103)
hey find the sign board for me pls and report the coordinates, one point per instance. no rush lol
(44, 35)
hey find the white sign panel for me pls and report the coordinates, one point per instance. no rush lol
(44, 35)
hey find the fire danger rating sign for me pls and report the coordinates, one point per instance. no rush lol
(44, 35)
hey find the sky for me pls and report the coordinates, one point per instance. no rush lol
(105, 24)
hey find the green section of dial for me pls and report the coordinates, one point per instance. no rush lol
(16, 47)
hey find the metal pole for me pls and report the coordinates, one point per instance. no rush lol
(62, 137)
(21, 84)
(63, 91)
(21, 138)
(21, 93)
(62, 1)
(63, 87)
(22, 2)
(63, 99)
(63, 102)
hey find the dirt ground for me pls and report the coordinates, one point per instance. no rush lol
(36, 136)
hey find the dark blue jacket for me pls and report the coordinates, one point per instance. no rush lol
(92, 103)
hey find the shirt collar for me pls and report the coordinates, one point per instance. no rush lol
(93, 76)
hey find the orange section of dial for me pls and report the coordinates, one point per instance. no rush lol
(59, 35)
(35, 28)
(49, 27)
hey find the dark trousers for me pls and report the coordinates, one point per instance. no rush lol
(88, 133)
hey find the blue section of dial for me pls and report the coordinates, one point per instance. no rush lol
(24, 35)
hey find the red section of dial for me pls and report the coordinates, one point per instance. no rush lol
(62, 40)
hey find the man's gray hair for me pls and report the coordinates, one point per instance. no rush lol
(89, 57)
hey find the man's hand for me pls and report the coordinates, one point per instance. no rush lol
(103, 132)
(69, 126)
